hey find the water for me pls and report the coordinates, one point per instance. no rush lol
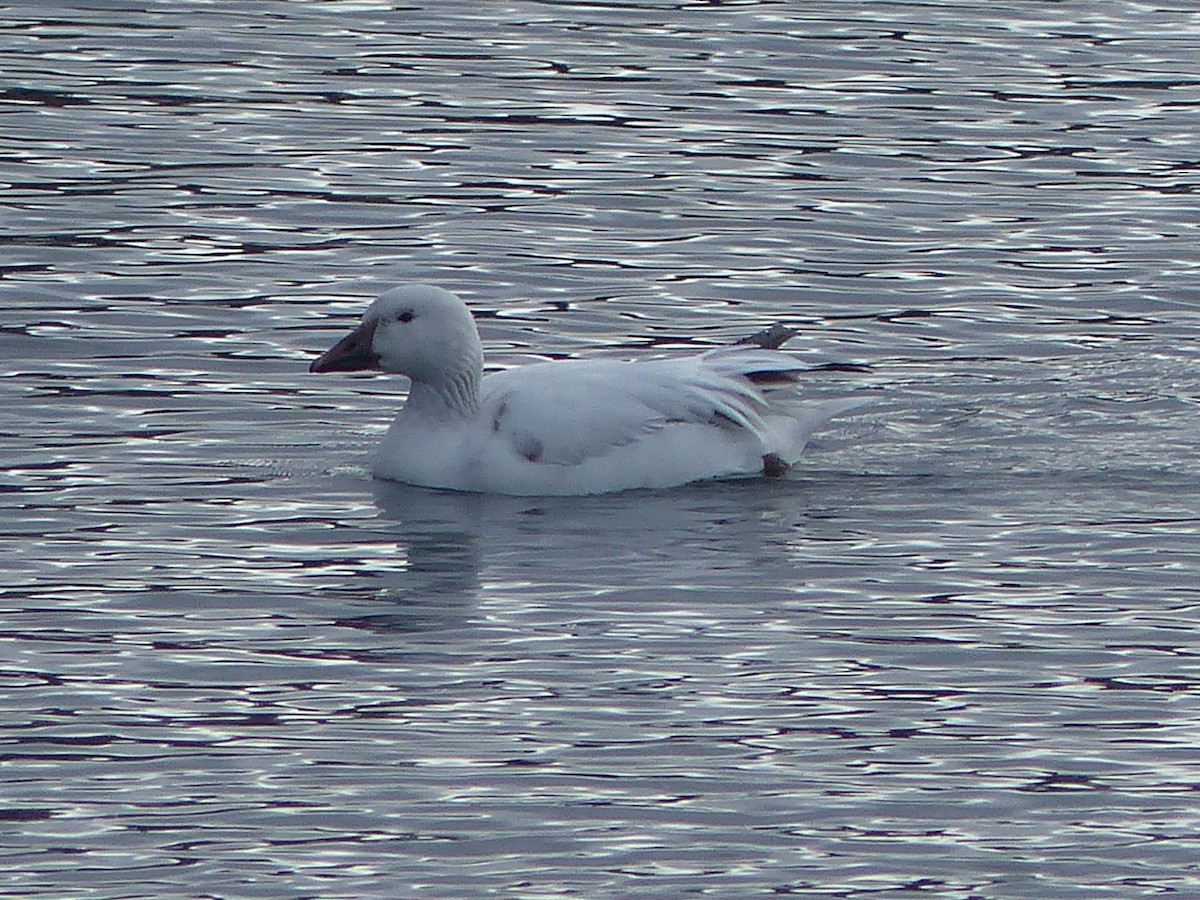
(954, 655)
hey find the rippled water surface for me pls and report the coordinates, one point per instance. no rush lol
(953, 655)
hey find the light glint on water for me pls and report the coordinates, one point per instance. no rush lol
(953, 653)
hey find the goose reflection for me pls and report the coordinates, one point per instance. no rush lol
(464, 549)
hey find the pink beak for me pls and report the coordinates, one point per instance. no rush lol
(350, 354)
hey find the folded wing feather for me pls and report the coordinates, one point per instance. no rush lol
(609, 404)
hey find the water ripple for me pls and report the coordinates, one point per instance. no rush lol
(955, 654)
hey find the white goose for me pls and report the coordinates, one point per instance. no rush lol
(570, 427)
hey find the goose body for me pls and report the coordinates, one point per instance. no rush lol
(570, 427)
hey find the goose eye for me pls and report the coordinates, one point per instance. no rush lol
(405, 316)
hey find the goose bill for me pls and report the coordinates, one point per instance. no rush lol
(351, 354)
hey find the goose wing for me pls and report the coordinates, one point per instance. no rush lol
(563, 413)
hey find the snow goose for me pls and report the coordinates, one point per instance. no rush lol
(568, 427)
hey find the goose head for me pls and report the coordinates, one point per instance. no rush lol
(417, 330)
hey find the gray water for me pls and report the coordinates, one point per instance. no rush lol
(953, 655)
